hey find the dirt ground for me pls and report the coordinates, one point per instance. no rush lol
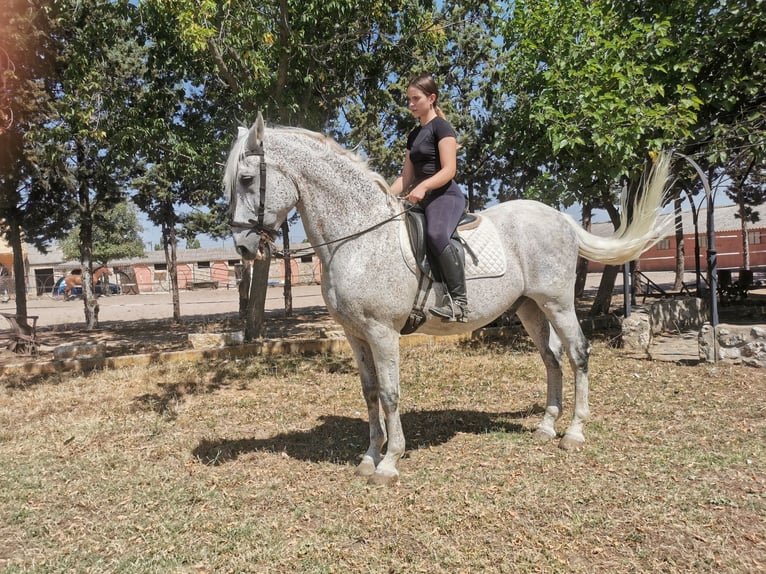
(133, 324)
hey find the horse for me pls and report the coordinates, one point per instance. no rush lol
(74, 279)
(355, 223)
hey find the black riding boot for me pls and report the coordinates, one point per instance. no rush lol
(454, 307)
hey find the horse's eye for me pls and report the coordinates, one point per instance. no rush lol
(246, 179)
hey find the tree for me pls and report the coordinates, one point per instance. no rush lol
(748, 190)
(95, 87)
(592, 91)
(32, 176)
(116, 235)
(193, 243)
(294, 61)
(720, 51)
(463, 55)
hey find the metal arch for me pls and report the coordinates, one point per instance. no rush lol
(712, 255)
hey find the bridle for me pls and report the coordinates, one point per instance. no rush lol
(267, 234)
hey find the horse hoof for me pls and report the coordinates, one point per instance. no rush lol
(571, 444)
(366, 467)
(379, 478)
(541, 435)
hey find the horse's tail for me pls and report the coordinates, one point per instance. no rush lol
(645, 228)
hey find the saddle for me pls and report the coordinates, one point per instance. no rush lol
(416, 230)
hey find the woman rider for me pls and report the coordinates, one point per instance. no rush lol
(430, 165)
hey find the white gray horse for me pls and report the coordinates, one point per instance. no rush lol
(370, 285)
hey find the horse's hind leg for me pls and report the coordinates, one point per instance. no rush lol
(551, 351)
(564, 321)
(370, 390)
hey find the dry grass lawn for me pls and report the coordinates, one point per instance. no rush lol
(248, 466)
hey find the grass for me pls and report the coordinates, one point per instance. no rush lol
(247, 466)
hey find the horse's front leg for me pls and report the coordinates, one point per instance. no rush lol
(385, 351)
(366, 364)
(379, 368)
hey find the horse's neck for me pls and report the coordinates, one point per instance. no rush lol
(340, 200)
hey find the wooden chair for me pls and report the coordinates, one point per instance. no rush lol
(23, 339)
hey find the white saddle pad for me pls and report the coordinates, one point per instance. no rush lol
(483, 244)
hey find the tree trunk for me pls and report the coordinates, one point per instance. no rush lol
(603, 301)
(679, 267)
(582, 263)
(288, 288)
(169, 244)
(745, 238)
(283, 67)
(19, 272)
(244, 287)
(90, 301)
(256, 301)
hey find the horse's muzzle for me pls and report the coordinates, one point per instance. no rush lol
(251, 243)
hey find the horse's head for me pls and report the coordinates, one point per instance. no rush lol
(258, 189)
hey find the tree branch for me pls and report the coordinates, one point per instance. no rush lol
(226, 74)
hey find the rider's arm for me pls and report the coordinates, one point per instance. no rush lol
(404, 181)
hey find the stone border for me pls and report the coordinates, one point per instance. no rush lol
(89, 357)
(732, 343)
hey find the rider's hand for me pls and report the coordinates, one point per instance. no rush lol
(416, 195)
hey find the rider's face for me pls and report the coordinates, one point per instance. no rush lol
(419, 102)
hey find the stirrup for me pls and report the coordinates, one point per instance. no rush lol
(451, 309)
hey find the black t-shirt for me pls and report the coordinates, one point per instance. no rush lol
(423, 145)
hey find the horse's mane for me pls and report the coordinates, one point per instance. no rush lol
(237, 153)
(353, 157)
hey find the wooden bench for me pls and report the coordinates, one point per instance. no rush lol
(23, 338)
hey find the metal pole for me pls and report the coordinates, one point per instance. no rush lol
(626, 288)
(712, 255)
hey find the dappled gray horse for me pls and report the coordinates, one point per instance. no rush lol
(370, 284)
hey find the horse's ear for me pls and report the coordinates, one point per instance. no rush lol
(255, 138)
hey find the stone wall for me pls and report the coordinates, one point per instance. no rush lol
(744, 344)
(663, 316)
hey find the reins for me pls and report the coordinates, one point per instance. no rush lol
(306, 250)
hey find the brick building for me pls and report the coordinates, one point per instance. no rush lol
(728, 242)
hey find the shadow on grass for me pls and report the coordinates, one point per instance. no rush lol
(342, 440)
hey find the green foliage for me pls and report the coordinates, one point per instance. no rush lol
(748, 187)
(551, 99)
(457, 45)
(193, 243)
(595, 85)
(593, 92)
(33, 177)
(116, 235)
